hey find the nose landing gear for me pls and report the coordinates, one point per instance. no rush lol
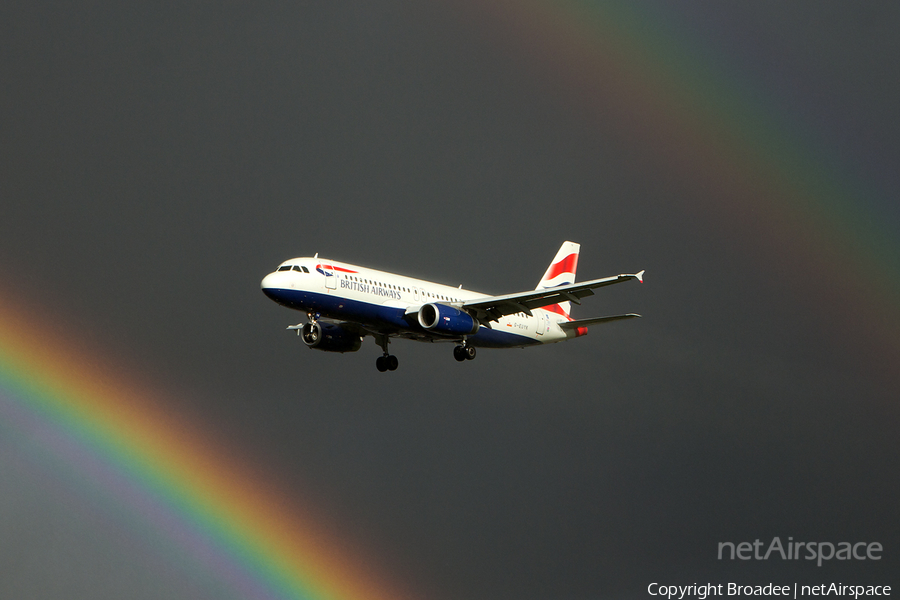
(310, 331)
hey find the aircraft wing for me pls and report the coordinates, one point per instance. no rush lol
(491, 308)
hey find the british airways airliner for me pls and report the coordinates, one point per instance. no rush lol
(344, 303)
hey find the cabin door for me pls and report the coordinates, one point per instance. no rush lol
(330, 278)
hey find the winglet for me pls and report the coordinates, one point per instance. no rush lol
(640, 276)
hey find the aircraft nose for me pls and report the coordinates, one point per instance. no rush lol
(267, 282)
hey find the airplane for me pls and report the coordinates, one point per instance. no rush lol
(345, 303)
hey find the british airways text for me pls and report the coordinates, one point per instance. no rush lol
(377, 290)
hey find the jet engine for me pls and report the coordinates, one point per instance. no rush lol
(446, 320)
(330, 337)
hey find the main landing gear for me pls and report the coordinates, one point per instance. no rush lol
(387, 362)
(464, 352)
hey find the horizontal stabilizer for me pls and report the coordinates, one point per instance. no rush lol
(596, 321)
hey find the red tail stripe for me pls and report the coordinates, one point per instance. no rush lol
(566, 265)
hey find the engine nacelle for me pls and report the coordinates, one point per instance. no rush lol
(446, 320)
(330, 337)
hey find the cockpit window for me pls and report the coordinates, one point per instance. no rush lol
(298, 268)
(284, 268)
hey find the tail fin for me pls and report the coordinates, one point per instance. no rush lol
(561, 272)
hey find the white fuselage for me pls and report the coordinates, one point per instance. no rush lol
(383, 301)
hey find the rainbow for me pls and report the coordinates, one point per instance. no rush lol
(183, 493)
(753, 174)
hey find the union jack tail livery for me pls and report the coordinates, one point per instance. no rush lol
(345, 303)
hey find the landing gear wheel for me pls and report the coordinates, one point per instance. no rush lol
(462, 353)
(459, 353)
(311, 332)
(385, 362)
(388, 362)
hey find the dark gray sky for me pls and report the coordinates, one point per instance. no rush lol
(158, 159)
